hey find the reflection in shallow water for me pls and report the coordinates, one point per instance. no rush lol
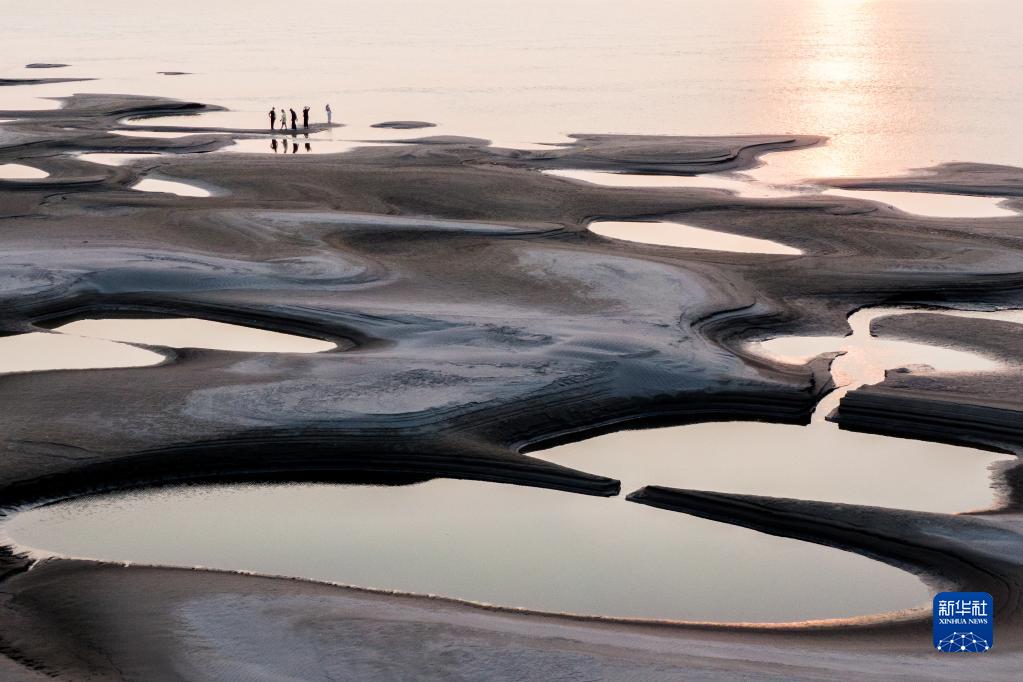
(114, 159)
(500, 544)
(40, 351)
(532, 146)
(932, 204)
(817, 462)
(92, 344)
(170, 187)
(149, 133)
(732, 182)
(295, 145)
(195, 333)
(17, 171)
(865, 358)
(687, 236)
(206, 119)
(768, 182)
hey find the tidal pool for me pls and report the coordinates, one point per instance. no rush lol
(98, 344)
(556, 551)
(865, 358)
(17, 171)
(114, 158)
(484, 542)
(754, 184)
(194, 333)
(933, 204)
(734, 182)
(181, 189)
(677, 234)
(38, 351)
(149, 133)
(816, 462)
(533, 146)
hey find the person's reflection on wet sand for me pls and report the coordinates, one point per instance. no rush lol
(294, 147)
(308, 148)
(273, 145)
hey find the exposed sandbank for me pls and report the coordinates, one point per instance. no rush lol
(476, 319)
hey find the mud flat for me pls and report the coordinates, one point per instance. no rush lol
(476, 320)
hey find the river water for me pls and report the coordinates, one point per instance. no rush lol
(895, 83)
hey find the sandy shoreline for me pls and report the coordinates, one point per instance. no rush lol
(477, 319)
(158, 623)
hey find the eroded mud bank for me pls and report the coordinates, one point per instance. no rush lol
(476, 318)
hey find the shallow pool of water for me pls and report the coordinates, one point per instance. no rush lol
(865, 358)
(686, 236)
(533, 146)
(149, 133)
(817, 462)
(195, 333)
(114, 158)
(17, 171)
(932, 204)
(181, 189)
(487, 542)
(40, 351)
(295, 145)
(734, 183)
(766, 182)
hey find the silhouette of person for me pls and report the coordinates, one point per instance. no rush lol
(329, 114)
(273, 118)
(305, 117)
(273, 145)
(284, 119)
(294, 119)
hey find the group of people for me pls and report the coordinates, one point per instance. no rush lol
(294, 118)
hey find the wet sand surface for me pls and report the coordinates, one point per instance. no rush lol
(476, 319)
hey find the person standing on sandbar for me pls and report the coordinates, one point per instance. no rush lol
(305, 117)
(329, 114)
(273, 117)
(294, 119)
(284, 119)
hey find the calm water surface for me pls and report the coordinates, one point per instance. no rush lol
(486, 542)
(895, 83)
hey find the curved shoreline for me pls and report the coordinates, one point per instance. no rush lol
(486, 324)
